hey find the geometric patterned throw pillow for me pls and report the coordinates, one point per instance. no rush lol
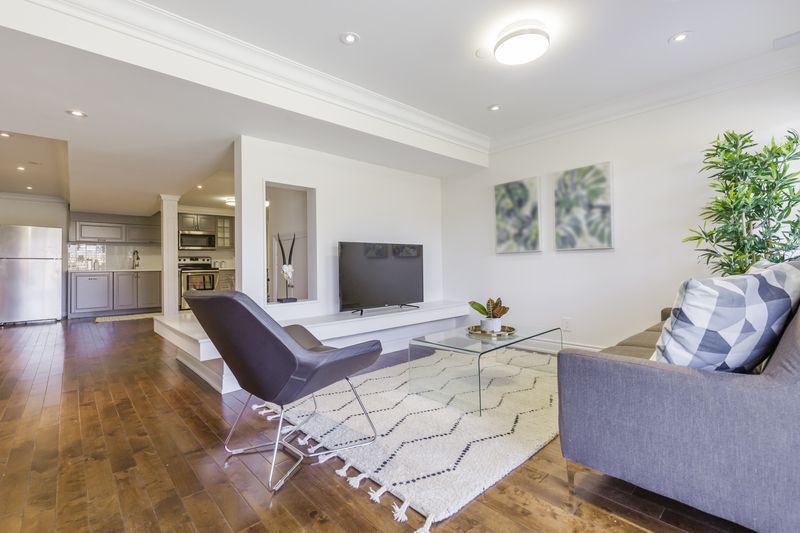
(730, 323)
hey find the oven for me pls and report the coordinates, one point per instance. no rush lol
(196, 273)
(197, 240)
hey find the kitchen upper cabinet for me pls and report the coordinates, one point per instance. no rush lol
(191, 222)
(125, 290)
(148, 289)
(143, 234)
(225, 227)
(91, 292)
(137, 290)
(99, 232)
(207, 223)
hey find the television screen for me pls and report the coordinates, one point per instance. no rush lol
(379, 275)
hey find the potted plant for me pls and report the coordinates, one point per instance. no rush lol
(755, 213)
(493, 311)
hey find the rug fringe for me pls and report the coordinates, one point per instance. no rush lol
(426, 528)
(256, 407)
(400, 512)
(342, 472)
(375, 495)
(315, 448)
(325, 456)
(355, 481)
(304, 440)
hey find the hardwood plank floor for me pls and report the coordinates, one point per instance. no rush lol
(102, 430)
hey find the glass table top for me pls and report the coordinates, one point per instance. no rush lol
(461, 339)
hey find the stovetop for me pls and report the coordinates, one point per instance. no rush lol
(195, 263)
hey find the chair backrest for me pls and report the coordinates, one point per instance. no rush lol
(260, 354)
(785, 362)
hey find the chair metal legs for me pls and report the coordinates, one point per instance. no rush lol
(266, 446)
(285, 442)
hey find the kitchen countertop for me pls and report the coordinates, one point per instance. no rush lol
(71, 270)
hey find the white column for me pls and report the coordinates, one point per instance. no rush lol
(251, 238)
(170, 289)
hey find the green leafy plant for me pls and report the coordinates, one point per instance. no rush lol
(754, 215)
(493, 309)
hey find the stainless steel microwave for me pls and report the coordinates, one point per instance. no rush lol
(197, 240)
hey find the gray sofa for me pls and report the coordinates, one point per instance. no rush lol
(727, 444)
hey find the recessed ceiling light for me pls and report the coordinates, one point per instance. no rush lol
(349, 38)
(494, 107)
(29, 188)
(680, 37)
(76, 113)
(521, 42)
(266, 203)
(21, 169)
(199, 186)
(6, 135)
(230, 201)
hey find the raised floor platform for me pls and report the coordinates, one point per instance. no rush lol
(393, 327)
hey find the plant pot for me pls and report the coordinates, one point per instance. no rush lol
(491, 325)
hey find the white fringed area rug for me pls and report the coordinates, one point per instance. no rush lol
(435, 457)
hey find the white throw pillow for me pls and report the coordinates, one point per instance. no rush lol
(730, 323)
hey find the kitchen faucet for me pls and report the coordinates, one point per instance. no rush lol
(135, 257)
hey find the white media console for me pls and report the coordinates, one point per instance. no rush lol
(393, 327)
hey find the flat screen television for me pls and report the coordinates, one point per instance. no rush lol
(379, 275)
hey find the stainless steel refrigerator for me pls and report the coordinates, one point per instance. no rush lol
(31, 274)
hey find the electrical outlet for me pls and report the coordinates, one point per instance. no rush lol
(566, 323)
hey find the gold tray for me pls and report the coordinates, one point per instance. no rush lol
(505, 331)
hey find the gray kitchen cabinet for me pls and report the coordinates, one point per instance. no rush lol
(125, 290)
(143, 234)
(137, 290)
(192, 222)
(99, 232)
(207, 223)
(227, 280)
(91, 292)
(148, 289)
(187, 221)
(225, 228)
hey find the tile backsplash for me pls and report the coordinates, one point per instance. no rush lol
(89, 256)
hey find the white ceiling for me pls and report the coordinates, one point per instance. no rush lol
(148, 133)
(44, 160)
(422, 53)
(216, 188)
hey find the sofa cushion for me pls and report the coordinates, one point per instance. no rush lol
(630, 351)
(645, 339)
(730, 323)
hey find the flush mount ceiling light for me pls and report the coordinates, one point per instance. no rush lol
(4, 134)
(521, 42)
(494, 107)
(681, 37)
(349, 38)
(76, 113)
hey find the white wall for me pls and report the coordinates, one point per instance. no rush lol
(355, 201)
(657, 195)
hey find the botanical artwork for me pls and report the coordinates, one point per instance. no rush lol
(405, 250)
(517, 216)
(583, 208)
(375, 251)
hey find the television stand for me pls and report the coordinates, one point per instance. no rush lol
(361, 311)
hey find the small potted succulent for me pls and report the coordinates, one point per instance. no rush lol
(493, 311)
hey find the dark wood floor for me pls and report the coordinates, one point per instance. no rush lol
(101, 429)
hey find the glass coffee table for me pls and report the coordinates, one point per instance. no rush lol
(446, 365)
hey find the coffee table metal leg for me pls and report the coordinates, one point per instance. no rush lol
(480, 399)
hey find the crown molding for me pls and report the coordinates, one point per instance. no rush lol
(22, 197)
(760, 68)
(155, 26)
